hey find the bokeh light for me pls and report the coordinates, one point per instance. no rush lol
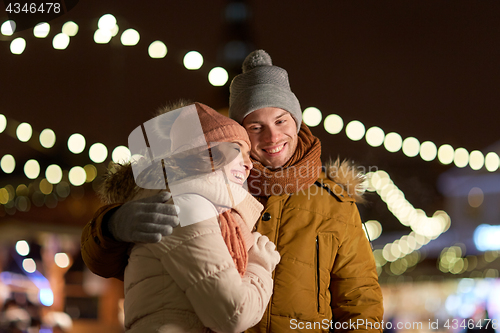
(393, 142)
(355, 130)
(60, 41)
(218, 76)
(446, 154)
(70, 28)
(18, 45)
(157, 50)
(121, 154)
(461, 158)
(21, 190)
(411, 146)
(193, 60)
(3, 123)
(61, 260)
(91, 172)
(29, 265)
(312, 116)
(115, 30)
(32, 169)
(106, 22)
(476, 160)
(374, 229)
(41, 30)
(76, 143)
(4, 196)
(8, 163)
(47, 138)
(475, 197)
(130, 37)
(22, 248)
(77, 176)
(8, 28)
(46, 296)
(375, 136)
(428, 151)
(46, 187)
(492, 162)
(102, 36)
(24, 132)
(98, 152)
(333, 124)
(54, 174)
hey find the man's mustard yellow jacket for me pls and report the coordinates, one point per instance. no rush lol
(326, 279)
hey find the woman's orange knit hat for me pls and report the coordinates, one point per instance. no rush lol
(200, 126)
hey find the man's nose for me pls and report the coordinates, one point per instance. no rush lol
(272, 134)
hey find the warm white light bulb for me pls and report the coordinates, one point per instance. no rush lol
(393, 142)
(157, 50)
(375, 136)
(130, 37)
(77, 176)
(76, 143)
(41, 30)
(355, 130)
(312, 116)
(70, 28)
(47, 138)
(333, 124)
(60, 41)
(218, 76)
(193, 60)
(98, 153)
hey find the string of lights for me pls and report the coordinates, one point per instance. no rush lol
(400, 253)
(218, 76)
(410, 146)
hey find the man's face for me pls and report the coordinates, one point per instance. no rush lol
(273, 134)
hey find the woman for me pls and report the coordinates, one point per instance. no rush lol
(212, 273)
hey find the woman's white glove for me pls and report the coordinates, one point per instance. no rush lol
(263, 252)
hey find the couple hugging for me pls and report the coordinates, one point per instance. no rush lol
(200, 253)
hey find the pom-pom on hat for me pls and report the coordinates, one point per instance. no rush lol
(262, 85)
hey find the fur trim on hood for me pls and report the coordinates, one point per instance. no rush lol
(349, 176)
(118, 184)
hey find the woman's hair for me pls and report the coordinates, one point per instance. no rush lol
(194, 163)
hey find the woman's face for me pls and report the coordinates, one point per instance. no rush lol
(239, 168)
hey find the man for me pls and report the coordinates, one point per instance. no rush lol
(326, 280)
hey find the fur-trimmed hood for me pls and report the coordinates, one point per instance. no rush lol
(349, 176)
(119, 184)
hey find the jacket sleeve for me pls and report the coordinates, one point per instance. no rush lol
(198, 260)
(356, 294)
(103, 255)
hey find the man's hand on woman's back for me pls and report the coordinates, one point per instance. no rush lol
(145, 220)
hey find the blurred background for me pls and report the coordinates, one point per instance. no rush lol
(408, 90)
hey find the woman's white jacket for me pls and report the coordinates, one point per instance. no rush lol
(188, 282)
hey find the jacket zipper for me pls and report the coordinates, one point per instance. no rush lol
(317, 271)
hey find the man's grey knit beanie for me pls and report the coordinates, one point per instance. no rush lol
(261, 85)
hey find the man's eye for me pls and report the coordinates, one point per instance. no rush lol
(280, 121)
